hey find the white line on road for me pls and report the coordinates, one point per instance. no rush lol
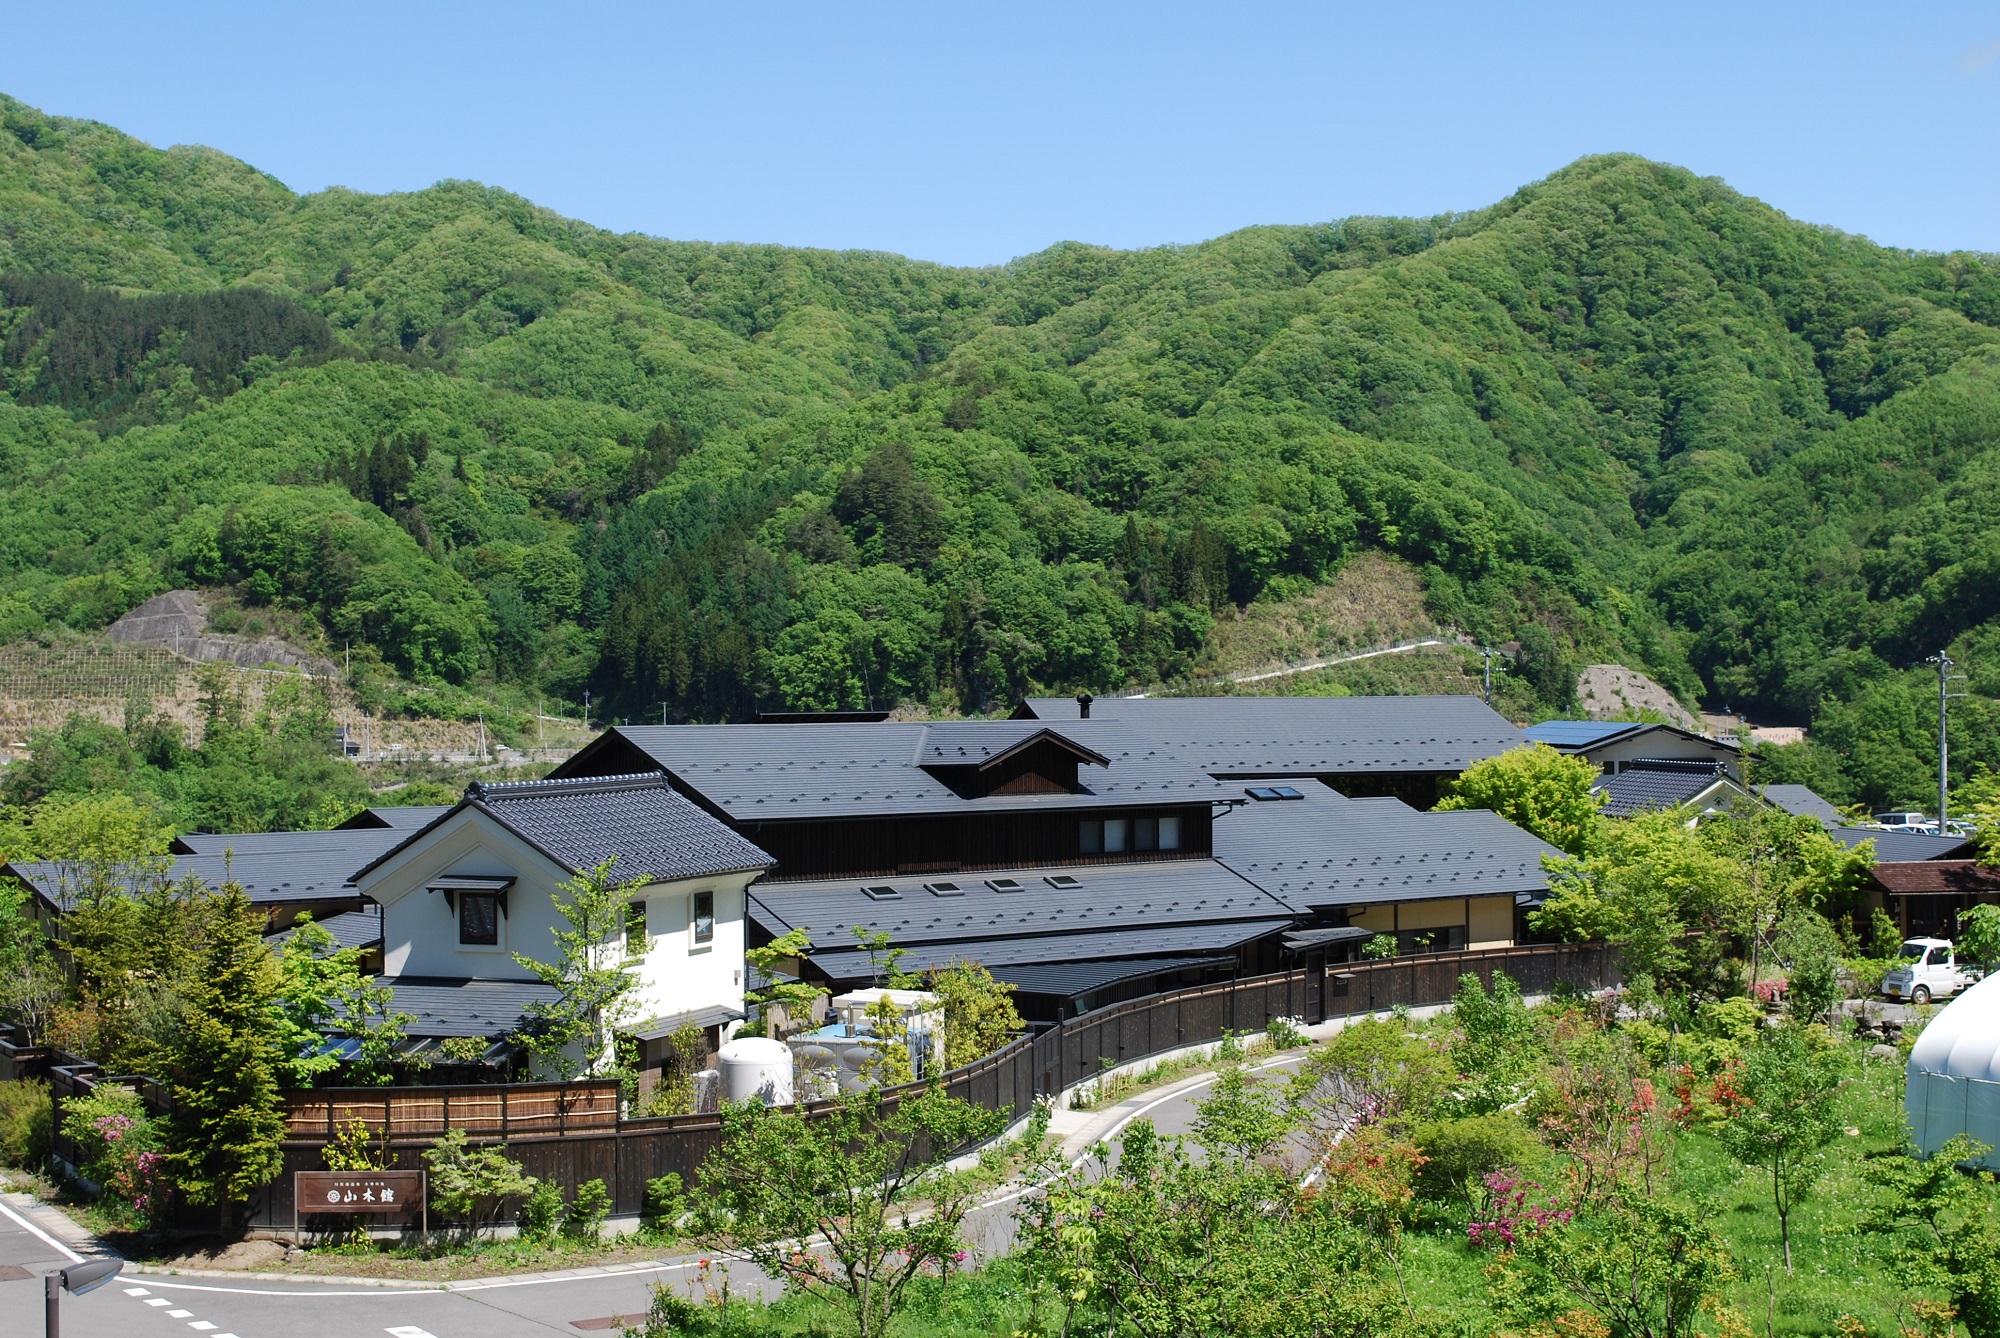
(45, 1237)
(179, 1314)
(409, 1331)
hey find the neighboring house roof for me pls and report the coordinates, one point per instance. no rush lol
(1902, 847)
(317, 875)
(349, 929)
(442, 1006)
(1936, 876)
(1573, 734)
(1658, 784)
(361, 843)
(407, 818)
(1099, 902)
(1324, 850)
(1303, 736)
(1800, 801)
(778, 773)
(637, 820)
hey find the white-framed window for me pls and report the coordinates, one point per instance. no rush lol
(701, 918)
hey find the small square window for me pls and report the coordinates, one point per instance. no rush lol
(636, 939)
(479, 919)
(703, 917)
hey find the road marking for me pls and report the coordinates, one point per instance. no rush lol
(201, 1324)
(159, 1300)
(137, 1291)
(409, 1331)
(179, 1314)
(44, 1236)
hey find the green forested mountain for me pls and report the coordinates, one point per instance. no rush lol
(1625, 414)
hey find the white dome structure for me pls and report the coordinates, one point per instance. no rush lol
(1954, 1075)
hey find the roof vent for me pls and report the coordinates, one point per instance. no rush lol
(1004, 884)
(944, 889)
(1265, 793)
(1083, 701)
(1062, 880)
(881, 892)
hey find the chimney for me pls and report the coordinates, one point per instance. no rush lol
(1083, 701)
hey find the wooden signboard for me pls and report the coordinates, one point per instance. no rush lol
(380, 1192)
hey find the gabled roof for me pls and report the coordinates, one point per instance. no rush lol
(637, 820)
(1303, 736)
(1000, 954)
(1658, 784)
(1098, 897)
(360, 843)
(1326, 851)
(1801, 801)
(987, 743)
(1902, 847)
(780, 773)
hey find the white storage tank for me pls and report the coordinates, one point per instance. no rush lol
(756, 1068)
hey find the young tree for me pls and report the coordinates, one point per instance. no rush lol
(1944, 1228)
(1979, 935)
(1809, 950)
(794, 998)
(469, 1183)
(1538, 789)
(1641, 1266)
(593, 975)
(223, 1065)
(868, 1178)
(32, 982)
(1789, 1084)
(313, 973)
(979, 1012)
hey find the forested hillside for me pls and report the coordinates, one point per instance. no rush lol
(1626, 414)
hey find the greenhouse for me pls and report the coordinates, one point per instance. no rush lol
(1954, 1076)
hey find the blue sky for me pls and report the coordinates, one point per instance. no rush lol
(971, 135)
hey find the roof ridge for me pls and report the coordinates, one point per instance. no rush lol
(639, 780)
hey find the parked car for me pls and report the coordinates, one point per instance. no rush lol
(1928, 970)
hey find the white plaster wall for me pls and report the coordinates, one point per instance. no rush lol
(678, 975)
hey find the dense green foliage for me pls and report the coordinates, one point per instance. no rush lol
(1625, 414)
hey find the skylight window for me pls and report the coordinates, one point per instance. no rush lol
(1266, 793)
(881, 892)
(1004, 884)
(944, 889)
(1062, 880)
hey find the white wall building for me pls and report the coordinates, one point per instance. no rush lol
(465, 893)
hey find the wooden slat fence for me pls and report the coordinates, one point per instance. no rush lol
(572, 1133)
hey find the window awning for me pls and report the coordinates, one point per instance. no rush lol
(451, 884)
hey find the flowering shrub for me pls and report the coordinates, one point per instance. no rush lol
(1769, 991)
(1519, 1208)
(122, 1149)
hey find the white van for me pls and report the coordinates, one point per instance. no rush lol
(1927, 971)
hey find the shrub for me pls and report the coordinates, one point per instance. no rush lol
(1285, 1033)
(27, 1116)
(542, 1212)
(666, 1200)
(120, 1147)
(1460, 1155)
(587, 1211)
(468, 1184)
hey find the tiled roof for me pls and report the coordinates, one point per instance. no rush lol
(778, 773)
(1902, 847)
(407, 817)
(1937, 876)
(1069, 979)
(638, 820)
(362, 843)
(350, 929)
(959, 743)
(1324, 850)
(1102, 897)
(1653, 786)
(1801, 801)
(442, 1006)
(1304, 736)
(999, 954)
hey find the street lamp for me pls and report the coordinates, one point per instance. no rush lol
(76, 1279)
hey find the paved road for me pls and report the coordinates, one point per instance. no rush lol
(143, 1305)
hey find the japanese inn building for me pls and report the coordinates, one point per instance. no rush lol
(1084, 852)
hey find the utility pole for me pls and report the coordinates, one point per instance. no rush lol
(1946, 678)
(1487, 653)
(586, 710)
